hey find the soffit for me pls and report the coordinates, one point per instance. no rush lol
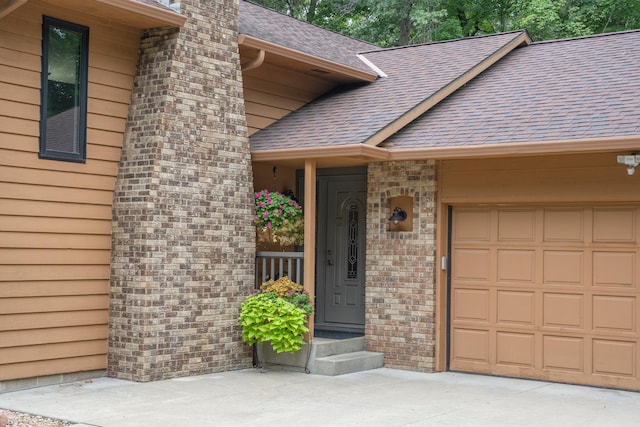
(140, 14)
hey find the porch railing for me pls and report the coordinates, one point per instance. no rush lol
(273, 265)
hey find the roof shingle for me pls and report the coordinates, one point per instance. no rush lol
(352, 115)
(565, 89)
(271, 26)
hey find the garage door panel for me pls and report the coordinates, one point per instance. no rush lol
(563, 225)
(616, 358)
(471, 304)
(548, 293)
(563, 353)
(563, 310)
(614, 269)
(515, 349)
(515, 307)
(517, 225)
(474, 264)
(471, 345)
(474, 225)
(516, 266)
(617, 313)
(563, 267)
(614, 225)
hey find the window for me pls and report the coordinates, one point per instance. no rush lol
(63, 108)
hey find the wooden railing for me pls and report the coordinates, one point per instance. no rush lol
(273, 265)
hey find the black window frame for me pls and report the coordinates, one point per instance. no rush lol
(44, 151)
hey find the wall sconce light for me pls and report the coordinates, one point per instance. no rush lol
(401, 218)
(630, 161)
(398, 216)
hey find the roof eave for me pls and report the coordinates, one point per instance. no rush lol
(156, 16)
(412, 114)
(332, 66)
(518, 149)
(8, 6)
(361, 151)
(136, 14)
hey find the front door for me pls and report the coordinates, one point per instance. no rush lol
(342, 206)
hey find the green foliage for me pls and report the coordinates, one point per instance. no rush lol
(267, 317)
(277, 314)
(401, 22)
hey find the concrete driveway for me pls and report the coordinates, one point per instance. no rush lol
(379, 397)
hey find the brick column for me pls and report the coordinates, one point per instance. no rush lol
(400, 282)
(183, 240)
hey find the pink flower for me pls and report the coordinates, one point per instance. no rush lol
(279, 211)
(268, 225)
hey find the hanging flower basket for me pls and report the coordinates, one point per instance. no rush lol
(278, 218)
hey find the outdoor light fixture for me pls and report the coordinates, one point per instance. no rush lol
(630, 161)
(398, 216)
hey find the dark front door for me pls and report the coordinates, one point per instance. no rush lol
(342, 207)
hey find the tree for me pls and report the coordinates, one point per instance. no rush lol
(400, 22)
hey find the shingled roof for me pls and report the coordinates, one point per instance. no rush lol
(416, 77)
(560, 90)
(274, 27)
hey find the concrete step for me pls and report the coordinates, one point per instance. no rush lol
(347, 363)
(328, 347)
(326, 356)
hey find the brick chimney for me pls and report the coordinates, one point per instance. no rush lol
(183, 240)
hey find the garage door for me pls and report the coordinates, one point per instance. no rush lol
(547, 292)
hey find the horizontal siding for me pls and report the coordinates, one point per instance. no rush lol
(55, 217)
(21, 256)
(52, 335)
(271, 93)
(53, 304)
(15, 273)
(54, 210)
(53, 288)
(40, 368)
(16, 322)
(596, 178)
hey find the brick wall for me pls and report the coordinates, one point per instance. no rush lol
(400, 284)
(183, 240)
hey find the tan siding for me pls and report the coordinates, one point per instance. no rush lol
(24, 78)
(17, 322)
(16, 273)
(54, 225)
(54, 210)
(54, 241)
(54, 288)
(52, 366)
(271, 93)
(542, 179)
(53, 304)
(20, 43)
(53, 256)
(19, 59)
(19, 110)
(54, 351)
(55, 217)
(53, 194)
(54, 178)
(30, 160)
(52, 335)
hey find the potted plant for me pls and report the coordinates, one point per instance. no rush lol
(278, 218)
(277, 313)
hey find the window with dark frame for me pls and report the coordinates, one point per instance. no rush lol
(63, 107)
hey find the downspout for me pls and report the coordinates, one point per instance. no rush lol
(254, 63)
